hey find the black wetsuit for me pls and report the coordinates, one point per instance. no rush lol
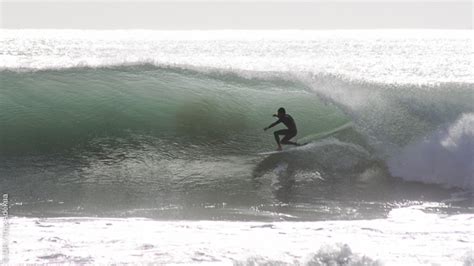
(289, 133)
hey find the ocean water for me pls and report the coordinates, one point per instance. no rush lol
(143, 146)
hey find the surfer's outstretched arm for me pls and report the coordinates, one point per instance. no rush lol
(273, 124)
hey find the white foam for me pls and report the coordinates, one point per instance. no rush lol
(409, 236)
(445, 157)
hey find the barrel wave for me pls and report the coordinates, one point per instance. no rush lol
(55, 110)
(224, 113)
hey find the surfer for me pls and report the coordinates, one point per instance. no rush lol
(289, 133)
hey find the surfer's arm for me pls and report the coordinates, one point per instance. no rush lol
(273, 124)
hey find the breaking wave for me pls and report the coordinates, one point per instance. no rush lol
(422, 132)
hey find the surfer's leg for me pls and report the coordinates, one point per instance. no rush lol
(278, 133)
(287, 137)
(277, 136)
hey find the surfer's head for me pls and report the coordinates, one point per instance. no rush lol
(281, 112)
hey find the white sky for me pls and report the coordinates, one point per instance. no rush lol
(232, 14)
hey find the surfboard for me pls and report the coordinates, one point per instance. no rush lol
(312, 138)
(282, 151)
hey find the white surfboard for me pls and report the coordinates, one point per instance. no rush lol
(270, 152)
(282, 151)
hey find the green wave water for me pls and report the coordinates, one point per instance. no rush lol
(56, 110)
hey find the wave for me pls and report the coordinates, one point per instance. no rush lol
(224, 111)
(444, 157)
(425, 133)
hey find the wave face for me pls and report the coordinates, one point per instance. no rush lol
(190, 108)
(51, 110)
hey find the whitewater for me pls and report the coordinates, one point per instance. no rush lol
(103, 133)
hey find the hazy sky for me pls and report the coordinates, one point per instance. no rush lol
(228, 14)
